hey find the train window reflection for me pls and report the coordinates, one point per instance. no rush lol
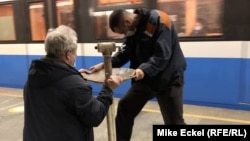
(7, 28)
(37, 21)
(65, 14)
(194, 18)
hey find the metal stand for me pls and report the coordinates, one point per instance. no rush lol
(107, 49)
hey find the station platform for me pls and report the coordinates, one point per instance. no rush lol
(12, 117)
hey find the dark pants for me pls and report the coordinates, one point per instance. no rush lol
(170, 102)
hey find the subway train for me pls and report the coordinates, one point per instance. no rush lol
(214, 36)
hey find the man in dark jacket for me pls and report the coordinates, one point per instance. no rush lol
(58, 101)
(152, 47)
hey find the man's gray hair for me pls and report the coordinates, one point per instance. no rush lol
(60, 40)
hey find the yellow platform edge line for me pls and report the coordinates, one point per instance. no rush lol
(204, 117)
(185, 114)
(11, 95)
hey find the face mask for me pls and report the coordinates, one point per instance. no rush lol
(197, 28)
(72, 60)
(74, 64)
(130, 33)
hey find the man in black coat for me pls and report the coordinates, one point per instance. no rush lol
(152, 48)
(58, 101)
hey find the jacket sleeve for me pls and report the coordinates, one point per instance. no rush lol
(162, 52)
(91, 109)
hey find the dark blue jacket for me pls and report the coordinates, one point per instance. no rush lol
(155, 49)
(59, 105)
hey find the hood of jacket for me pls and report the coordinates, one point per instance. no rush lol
(46, 71)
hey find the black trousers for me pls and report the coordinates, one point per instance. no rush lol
(129, 106)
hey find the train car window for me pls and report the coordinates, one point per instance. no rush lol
(195, 18)
(65, 13)
(103, 8)
(101, 3)
(7, 28)
(37, 21)
(102, 26)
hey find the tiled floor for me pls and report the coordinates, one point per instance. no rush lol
(11, 117)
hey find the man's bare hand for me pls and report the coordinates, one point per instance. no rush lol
(96, 67)
(138, 74)
(113, 81)
(84, 71)
(92, 69)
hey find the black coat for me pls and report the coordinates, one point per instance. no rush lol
(59, 105)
